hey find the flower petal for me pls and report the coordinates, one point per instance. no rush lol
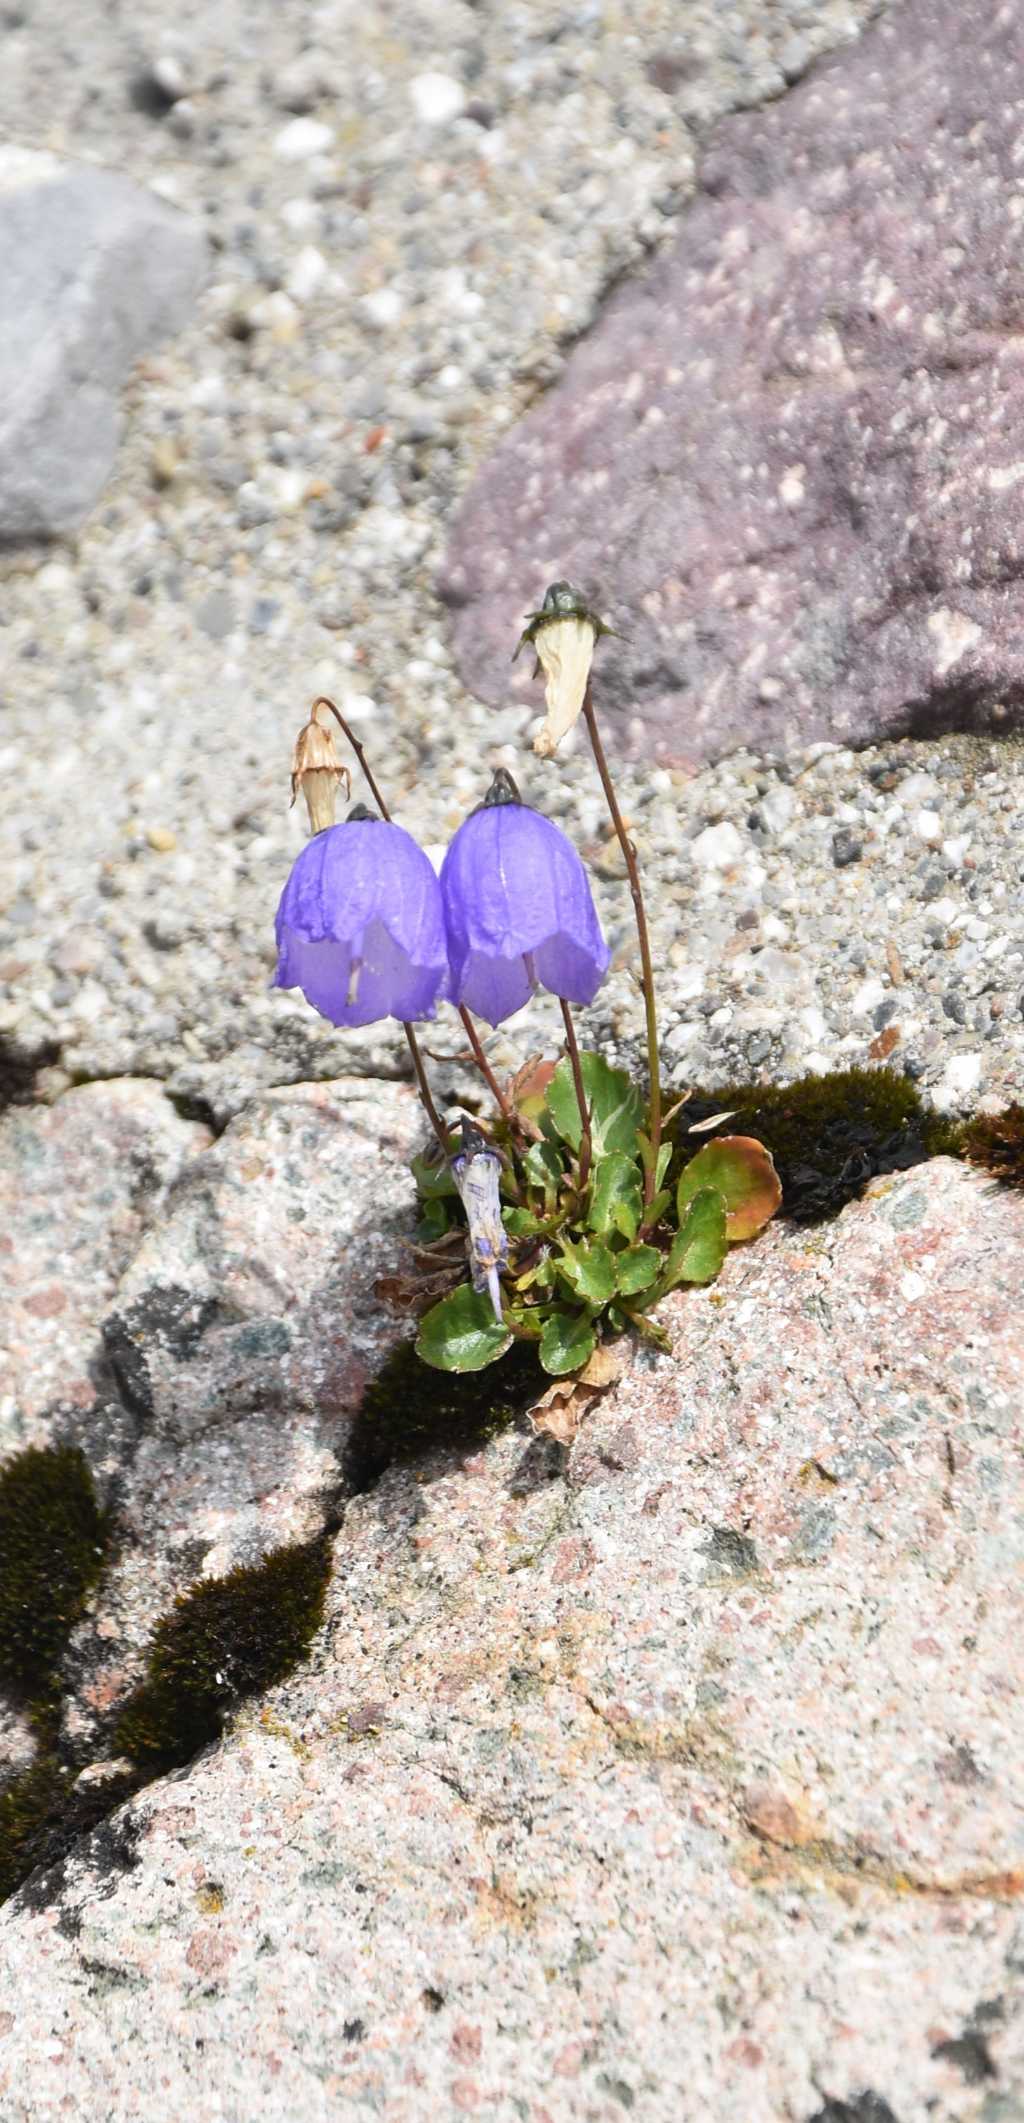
(360, 927)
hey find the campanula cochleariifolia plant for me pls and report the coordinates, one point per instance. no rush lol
(557, 1203)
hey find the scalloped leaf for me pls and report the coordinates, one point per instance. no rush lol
(567, 1342)
(616, 1106)
(616, 1195)
(636, 1269)
(699, 1246)
(590, 1272)
(742, 1172)
(461, 1333)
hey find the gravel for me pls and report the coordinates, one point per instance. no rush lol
(389, 290)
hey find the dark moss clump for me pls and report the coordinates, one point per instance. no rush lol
(996, 1141)
(42, 1814)
(828, 1134)
(53, 1539)
(228, 1638)
(410, 1408)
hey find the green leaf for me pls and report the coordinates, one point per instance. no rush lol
(699, 1246)
(543, 1167)
(433, 1223)
(568, 1341)
(432, 1178)
(590, 1272)
(741, 1171)
(617, 1195)
(461, 1333)
(636, 1269)
(615, 1103)
(521, 1223)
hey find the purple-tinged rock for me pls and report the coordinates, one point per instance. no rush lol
(787, 460)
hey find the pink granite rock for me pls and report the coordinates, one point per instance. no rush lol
(677, 1778)
(241, 1338)
(79, 1182)
(788, 452)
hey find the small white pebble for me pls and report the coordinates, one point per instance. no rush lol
(382, 307)
(959, 1077)
(301, 138)
(437, 98)
(308, 272)
(867, 997)
(928, 826)
(955, 849)
(718, 847)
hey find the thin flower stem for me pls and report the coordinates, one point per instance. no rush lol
(322, 701)
(586, 1141)
(484, 1067)
(433, 1115)
(629, 852)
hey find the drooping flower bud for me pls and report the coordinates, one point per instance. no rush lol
(317, 770)
(563, 636)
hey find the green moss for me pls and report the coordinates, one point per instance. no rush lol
(226, 1639)
(828, 1134)
(410, 1408)
(53, 1539)
(996, 1142)
(43, 1813)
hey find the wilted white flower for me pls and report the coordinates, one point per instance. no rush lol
(476, 1170)
(563, 636)
(317, 770)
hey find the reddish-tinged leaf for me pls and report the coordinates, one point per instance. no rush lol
(742, 1172)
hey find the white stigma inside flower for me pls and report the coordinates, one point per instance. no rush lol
(353, 983)
(564, 649)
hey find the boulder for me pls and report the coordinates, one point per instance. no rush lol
(677, 1775)
(787, 456)
(94, 269)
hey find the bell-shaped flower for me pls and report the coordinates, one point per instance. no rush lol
(360, 927)
(518, 910)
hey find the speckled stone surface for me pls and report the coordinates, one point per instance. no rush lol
(79, 1182)
(786, 461)
(678, 1778)
(240, 1340)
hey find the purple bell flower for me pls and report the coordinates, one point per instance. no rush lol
(518, 910)
(360, 928)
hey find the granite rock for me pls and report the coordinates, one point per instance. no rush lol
(79, 1182)
(675, 1776)
(95, 270)
(785, 458)
(240, 1340)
